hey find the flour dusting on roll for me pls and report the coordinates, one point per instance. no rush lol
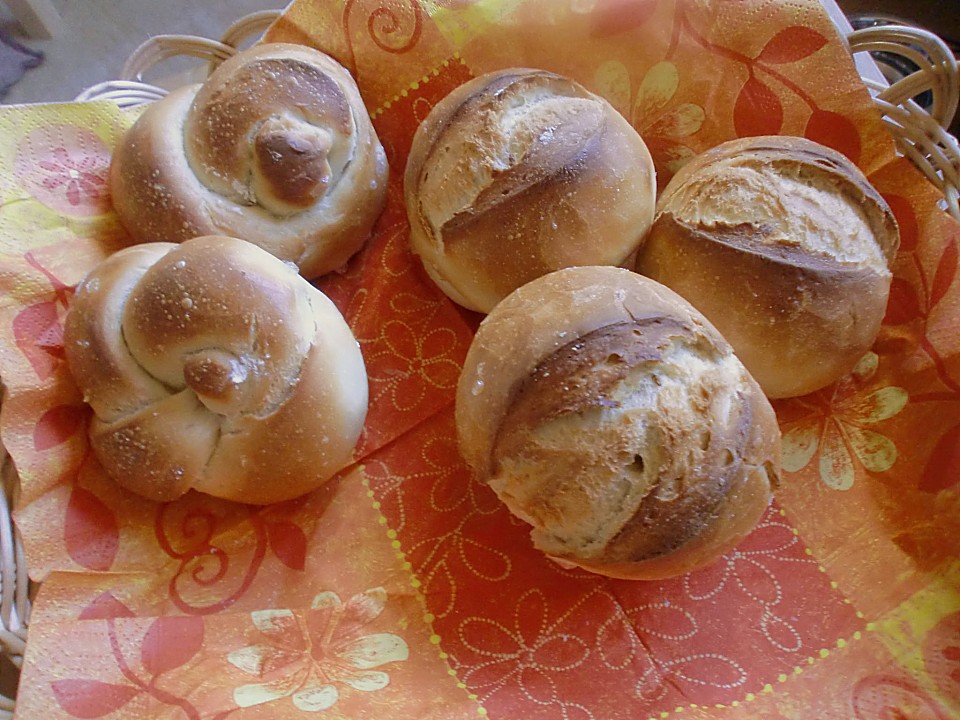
(212, 365)
(521, 172)
(276, 147)
(606, 412)
(786, 247)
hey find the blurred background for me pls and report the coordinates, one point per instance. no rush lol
(91, 39)
(939, 16)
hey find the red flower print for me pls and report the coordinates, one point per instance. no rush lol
(78, 176)
(941, 655)
(65, 168)
(887, 697)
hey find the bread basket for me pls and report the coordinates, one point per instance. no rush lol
(920, 135)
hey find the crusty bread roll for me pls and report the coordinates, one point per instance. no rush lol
(275, 147)
(213, 365)
(605, 411)
(785, 246)
(521, 172)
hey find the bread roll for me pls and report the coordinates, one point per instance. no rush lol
(276, 147)
(521, 172)
(213, 365)
(613, 418)
(784, 245)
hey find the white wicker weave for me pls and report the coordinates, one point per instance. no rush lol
(130, 89)
(14, 584)
(920, 135)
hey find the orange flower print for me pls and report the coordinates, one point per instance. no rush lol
(661, 123)
(312, 658)
(837, 423)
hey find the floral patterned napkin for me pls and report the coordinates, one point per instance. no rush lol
(404, 589)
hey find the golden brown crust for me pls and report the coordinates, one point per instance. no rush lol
(785, 247)
(212, 365)
(275, 147)
(520, 172)
(797, 322)
(630, 437)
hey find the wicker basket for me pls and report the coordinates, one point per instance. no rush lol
(920, 134)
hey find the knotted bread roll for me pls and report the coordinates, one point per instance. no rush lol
(606, 412)
(518, 173)
(786, 247)
(213, 365)
(275, 147)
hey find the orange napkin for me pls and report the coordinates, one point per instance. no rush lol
(403, 589)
